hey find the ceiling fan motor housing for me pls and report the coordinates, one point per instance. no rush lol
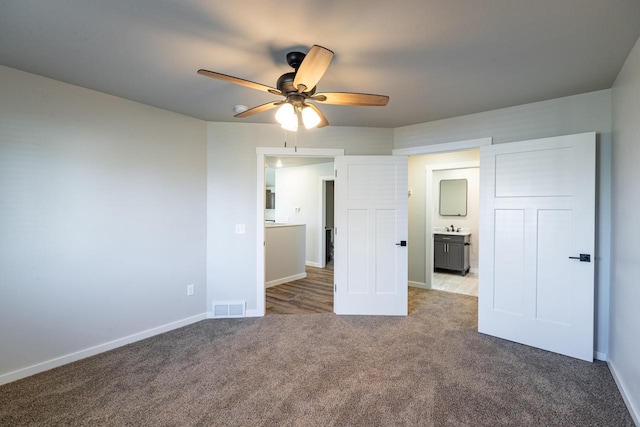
(285, 85)
(294, 59)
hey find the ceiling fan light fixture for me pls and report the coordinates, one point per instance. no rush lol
(294, 87)
(310, 118)
(287, 117)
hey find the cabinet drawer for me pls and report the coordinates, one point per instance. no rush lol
(447, 238)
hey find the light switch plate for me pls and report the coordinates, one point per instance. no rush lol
(240, 229)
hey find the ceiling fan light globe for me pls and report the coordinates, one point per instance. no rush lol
(310, 118)
(284, 113)
(291, 125)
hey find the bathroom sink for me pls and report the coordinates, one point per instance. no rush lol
(452, 233)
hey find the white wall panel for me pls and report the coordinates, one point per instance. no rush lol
(553, 278)
(510, 250)
(554, 179)
(385, 281)
(358, 250)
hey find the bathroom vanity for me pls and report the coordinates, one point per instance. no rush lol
(451, 251)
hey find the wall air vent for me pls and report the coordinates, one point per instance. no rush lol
(225, 309)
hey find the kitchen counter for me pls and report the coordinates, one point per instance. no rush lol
(281, 224)
(285, 253)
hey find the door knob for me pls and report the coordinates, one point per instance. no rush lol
(582, 257)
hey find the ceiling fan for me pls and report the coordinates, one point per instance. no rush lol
(298, 88)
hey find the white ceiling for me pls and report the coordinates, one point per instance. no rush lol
(434, 58)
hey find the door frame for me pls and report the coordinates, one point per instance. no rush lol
(429, 202)
(436, 148)
(261, 154)
(323, 218)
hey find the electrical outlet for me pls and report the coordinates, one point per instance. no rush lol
(240, 229)
(191, 289)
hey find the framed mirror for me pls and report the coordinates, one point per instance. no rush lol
(453, 197)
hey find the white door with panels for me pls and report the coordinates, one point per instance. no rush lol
(537, 222)
(371, 221)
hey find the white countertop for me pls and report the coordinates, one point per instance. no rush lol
(442, 230)
(281, 224)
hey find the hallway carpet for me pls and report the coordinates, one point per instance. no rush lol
(428, 369)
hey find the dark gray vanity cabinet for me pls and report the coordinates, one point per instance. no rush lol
(451, 252)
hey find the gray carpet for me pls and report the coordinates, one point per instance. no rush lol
(429, 369)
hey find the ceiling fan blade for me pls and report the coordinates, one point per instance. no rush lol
(259, 109)
(350, 98)
(312, 68)
(239, 81)
(323, 120)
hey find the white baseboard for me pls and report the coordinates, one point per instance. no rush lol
(634, 411)
(473, 270)
(282, 280)
(419, 285)
(253, 313)
(248, 313)
(100, 348)
(312, 264)
(600, 356)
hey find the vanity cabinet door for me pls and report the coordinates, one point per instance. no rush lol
(439, 254)
(455, 256)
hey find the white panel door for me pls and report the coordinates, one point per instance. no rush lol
(370, 270)
(537, 215)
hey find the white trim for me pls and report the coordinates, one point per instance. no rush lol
(598, 355)
(429, 169)
(444, 147)
(312, 264)
(253, 313)
(282, 280)
(100, 348)
(419, 285)
(300, 152)
(247, 313)
(261, 153)
(323, 221)
(473, 270)
(633, 410)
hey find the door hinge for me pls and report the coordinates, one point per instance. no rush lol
(335, 172)
(335, 288)
(335, 231)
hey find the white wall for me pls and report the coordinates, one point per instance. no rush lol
(102, 220)
(589, 112)
(469, 221)
(624, 348)
(299, 187)
(232, 183)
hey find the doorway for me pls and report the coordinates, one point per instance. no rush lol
(420, 230)
(299, 194)
(453, 235)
